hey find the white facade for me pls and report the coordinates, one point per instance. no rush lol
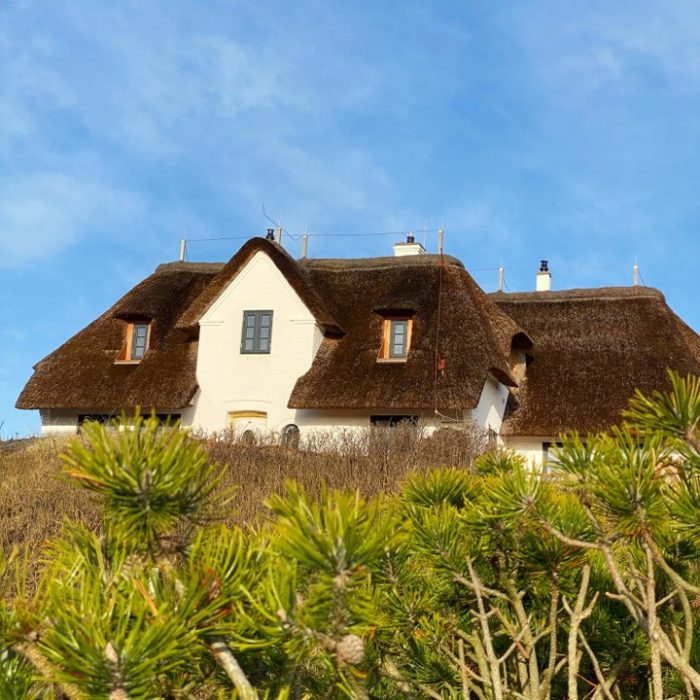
(58, 421)
(532, 448)
(488, 413)
(232, 383)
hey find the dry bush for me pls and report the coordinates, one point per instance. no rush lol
(35, 500)
(374, 460)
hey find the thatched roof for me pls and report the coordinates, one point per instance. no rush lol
(348, 298)
(592, 349)
(474, 337)
(82, 374)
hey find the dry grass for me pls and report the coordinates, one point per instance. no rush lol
(34, 500)
(371, 461)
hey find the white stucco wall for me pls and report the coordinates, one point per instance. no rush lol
(488, 413)
(530, 447)
(232, 381)
(58, 422)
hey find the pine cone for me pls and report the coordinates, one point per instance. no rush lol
(350, 650)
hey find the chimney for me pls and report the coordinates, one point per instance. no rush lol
(270, 234)
(410, 247)
(544, 277)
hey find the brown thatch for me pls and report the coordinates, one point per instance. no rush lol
(287, 266)
(592, 349)
(82, 374)
(474, 337)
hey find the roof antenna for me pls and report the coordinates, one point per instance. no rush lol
(305, 244)
(183, 249)
(501, 271)
(279, 232)
(635, 274)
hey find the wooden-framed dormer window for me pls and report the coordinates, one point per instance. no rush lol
(138, 335)
(396, 339)
(139, 340)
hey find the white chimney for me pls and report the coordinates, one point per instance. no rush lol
(544, 277)
(410, 247)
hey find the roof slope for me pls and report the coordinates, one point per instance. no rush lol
(592, 349)
(474, 337)
(82, 374)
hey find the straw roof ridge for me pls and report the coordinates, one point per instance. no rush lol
(579, 294)
(378, 262)
(187, 266)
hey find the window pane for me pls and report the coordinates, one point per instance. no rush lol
(139, 338)
(257, 330)
(398, 338)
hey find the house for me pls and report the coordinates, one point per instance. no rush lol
(266, 342)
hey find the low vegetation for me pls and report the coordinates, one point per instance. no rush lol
(486, 581)
(35, 499)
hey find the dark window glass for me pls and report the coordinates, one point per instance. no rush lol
(257, 332)
(168, 419)
(392, 421)
(290, 436)
(397, 341)
(94, 418)
(139, 341)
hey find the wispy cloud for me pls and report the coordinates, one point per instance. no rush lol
(41, 214)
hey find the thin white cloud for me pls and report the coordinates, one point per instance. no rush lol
(44, 213)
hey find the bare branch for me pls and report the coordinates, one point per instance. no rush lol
(228, 662)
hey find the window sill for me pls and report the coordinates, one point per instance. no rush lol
(392, 360)
(127, 362)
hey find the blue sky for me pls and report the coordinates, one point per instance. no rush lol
(568, 131)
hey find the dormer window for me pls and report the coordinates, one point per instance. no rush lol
(396, 339)
(139, 340)
(138, 335)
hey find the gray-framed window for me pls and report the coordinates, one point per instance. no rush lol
(257, 332)
(139, 341)
(398, 337)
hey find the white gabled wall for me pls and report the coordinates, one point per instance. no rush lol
(488, 413)
(232, 381)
